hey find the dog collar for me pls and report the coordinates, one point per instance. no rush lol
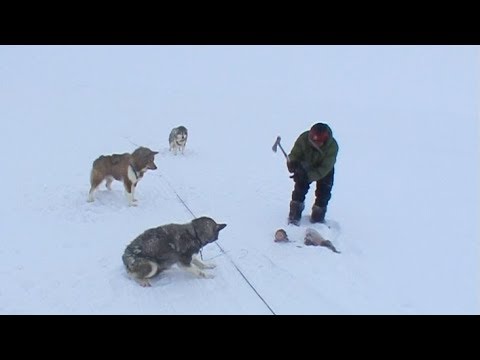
(196, 235)
(200, 241)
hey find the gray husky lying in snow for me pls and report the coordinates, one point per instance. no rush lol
(159, 248)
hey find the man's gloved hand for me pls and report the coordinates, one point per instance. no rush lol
(300, 175)
(292, 165)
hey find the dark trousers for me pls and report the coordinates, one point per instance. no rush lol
(323, 192)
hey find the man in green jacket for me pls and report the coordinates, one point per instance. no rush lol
(312, 159)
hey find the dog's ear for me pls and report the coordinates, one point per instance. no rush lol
(220, 226)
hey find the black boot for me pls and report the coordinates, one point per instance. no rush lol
(296, 208)
(318, 214)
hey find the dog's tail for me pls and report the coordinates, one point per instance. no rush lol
(139, 267)
(128, 258)
(95, 175)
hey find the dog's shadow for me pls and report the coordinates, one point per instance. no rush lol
(187, 153)
(174, 274)
(163, 279)
(111, 198)
(178, 275)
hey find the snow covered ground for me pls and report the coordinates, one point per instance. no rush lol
(405, 205)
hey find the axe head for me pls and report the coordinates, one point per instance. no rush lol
(275, 146)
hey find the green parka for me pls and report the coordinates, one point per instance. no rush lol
(317, 161)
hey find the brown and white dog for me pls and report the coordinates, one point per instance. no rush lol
(128, 168)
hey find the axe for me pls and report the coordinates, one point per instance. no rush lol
(277, 144)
